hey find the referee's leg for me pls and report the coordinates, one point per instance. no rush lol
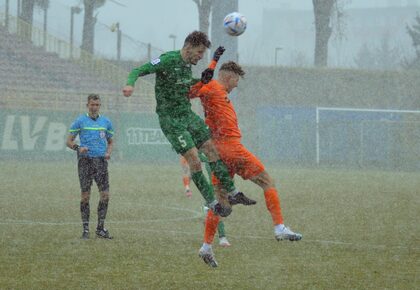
(85, 178)
(102, 180)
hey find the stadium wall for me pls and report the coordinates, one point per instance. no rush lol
(41, 135)
(286, 135)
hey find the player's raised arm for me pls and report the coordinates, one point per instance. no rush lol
(207, 74)
(145, 69)
(132, 78)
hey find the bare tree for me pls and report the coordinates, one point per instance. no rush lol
(27, 14)
(383, 57)
(414, 32)
(28, 6)
(204, 10)
(324, 12)
(365, 58)
(89, 22)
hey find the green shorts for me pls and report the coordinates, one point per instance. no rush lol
(184, 132)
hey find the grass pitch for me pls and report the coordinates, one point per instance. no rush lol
(360, 231)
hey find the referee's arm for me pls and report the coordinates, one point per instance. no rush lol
(72, 145)
(109, 148)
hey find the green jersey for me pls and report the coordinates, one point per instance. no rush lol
(173, 81)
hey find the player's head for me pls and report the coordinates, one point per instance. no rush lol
(229, 74)
(93, 104)
(195, 46)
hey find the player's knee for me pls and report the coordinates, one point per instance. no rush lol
(105, 196)
(210, 151)
(195, 164)
(85, 197)
(266, 181)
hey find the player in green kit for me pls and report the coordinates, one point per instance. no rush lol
(183, 128)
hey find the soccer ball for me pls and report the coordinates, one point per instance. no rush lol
(234, 24)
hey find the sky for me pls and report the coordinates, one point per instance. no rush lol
(152, 22)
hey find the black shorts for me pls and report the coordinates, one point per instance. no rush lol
(93, 169)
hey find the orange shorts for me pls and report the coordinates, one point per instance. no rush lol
(238, 159)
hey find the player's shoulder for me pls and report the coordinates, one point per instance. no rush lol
(214, 86)
(81, 117)
(167, 57)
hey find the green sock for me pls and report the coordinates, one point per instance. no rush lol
(203, 186)
(221, 229)
(208, 169)
(220, 170)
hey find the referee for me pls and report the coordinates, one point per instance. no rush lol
(95, 132)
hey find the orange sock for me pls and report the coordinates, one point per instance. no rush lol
(186, 180)
(210, 229)
(272, 202)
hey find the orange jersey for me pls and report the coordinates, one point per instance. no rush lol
(218, 110)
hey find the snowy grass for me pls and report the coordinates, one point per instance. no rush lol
(361, 231)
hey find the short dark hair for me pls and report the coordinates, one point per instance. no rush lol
(196, 38)
(93, 97)
(232, 66)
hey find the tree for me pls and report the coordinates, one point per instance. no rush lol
(387, 57)
(44, 5)
(298, 59)
(89, 23)
(204, 10)
(414, 32)
(28, 6)
(384, 57)
(324, 12)
(365, 59)
(27, 14)
(218, 35)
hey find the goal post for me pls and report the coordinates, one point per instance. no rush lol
(385, 124)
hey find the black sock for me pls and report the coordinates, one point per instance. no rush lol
(102, 209)
(85, 212)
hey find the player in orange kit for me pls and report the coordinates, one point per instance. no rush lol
(223, 123)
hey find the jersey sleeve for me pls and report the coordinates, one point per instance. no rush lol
(109, 130)
(205, 90)
(194, 90)
(197, 85)
(75, 127)
(148, 68)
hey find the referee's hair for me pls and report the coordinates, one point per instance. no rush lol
(93, 97)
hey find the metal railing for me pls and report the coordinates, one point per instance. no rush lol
(99, 67)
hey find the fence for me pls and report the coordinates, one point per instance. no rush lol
(354, 138)
(97, 66)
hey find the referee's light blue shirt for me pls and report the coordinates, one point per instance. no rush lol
(93, 134)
